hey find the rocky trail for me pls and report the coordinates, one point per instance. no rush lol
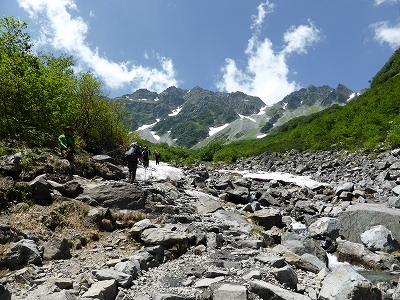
(312, 225)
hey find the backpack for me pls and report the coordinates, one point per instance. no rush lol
(133, 153)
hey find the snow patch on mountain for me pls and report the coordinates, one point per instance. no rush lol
(155, 136)
(262, 110)
(246, 117)
(214, 130)
(143, 127)
(175, 111)
(261, 136)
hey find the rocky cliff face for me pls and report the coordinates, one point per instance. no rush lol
(267, 227)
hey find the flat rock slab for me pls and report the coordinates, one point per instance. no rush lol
(361, 217)
(205, 203)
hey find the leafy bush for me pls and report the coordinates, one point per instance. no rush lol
(41, 94)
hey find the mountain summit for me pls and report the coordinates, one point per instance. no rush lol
(184, 117)
(193, 118)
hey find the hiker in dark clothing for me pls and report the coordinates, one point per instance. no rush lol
(146, 157)
(157, 156)
(67, 146)
(132, 156)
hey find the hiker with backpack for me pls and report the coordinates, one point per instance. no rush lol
(157, 156)
(146, 157)
(132, 157)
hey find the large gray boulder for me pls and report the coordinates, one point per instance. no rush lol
(360, 217)
(379, 238)
(268, 218)
(324, 227)
(115, 194)
(11, 165)
(344, 283)
(128, 267)
(287, 276)
(122, 279)
(358, 254)
(205, 203)
(163, 237)
(56, 248)
(102, 290)
(238, 195)
(231, 291)
(140, 226)
(22, 253)
(50, 291)
(266, 290)
(41, 190)
(344, 187)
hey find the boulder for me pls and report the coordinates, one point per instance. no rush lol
(140, 226)
(102, 290)
(72, 189)
(50, 291)
(300, 245)
(102, 158)
(301, 262)
(287, 276)
(9, 234)
(117, 171)
(271, 260)
(205, 203)
(120, 195)
(345, 283)
(163, 237)
(99, 213)
(358, 254)
(231, 291)
(56, 248)
(122, 279)
(22, 253)
(239, 195)
(268, 217)
(41, 190)
(394, 202)
(379, 238)
(324, 227)
(128, 267)
(12, 165)
(266, 290)
(360, 217)
(344, 187)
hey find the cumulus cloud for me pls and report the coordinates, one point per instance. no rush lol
(266, 74)
(378, 2)
(384, 33)
(67, 33)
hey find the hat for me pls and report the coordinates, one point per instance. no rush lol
(68, 128)
(133, 144)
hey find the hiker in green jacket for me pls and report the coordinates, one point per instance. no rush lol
(67, 145)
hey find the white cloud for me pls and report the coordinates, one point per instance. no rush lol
(66, 33)
(378, 2)
(297, 39)
(384, 33)
(266, 73)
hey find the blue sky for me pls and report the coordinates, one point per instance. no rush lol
(263, 48)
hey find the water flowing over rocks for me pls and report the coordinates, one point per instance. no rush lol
(263, 228)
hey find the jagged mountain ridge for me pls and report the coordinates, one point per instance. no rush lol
(184, 117)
